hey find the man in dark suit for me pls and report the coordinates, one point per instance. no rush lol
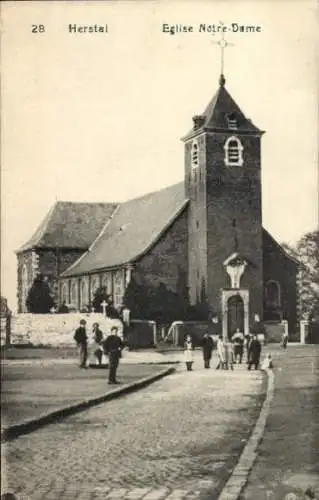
(254, 352)
(81, 340)
(113, 346)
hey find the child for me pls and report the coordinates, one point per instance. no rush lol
(188, 353)
(97, 345)
(267, 363)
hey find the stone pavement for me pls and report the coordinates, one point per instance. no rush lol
(288, 456)
(179, 438)
(32, 389)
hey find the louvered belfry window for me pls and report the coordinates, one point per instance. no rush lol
(233, 152)
(194, 155)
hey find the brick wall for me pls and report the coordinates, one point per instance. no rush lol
(196, 190)
(234, 196)
(52, 263)
(280, 268)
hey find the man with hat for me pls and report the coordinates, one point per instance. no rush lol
(81, 340)
(113, 346)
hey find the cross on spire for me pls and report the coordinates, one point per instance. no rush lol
(223, 44)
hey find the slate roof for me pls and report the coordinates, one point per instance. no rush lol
(217, 110)
(70, 225)
(134, 227)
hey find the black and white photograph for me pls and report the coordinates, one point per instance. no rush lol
(159, 250)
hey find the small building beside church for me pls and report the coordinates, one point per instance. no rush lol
(202, 238)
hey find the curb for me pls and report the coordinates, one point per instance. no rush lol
(239, 476)
(14, 431)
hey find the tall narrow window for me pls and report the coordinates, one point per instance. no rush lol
(233, 152)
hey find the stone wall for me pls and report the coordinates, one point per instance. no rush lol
(48, 262)
(167, 261)
(55, 330)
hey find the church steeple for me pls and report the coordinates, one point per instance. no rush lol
(222, 114)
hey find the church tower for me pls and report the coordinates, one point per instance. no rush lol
(223, 184)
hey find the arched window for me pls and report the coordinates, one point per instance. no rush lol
(64, 293)
(24, 287)
(273, 294)
(195, 155)
(119, 287)
(233, 152)
(95, 283)
(84, 296)
(74, 294)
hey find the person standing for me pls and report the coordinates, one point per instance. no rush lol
(208, 347)
(98, 338)
(81, 340)
(238, 340)
(221, 352)
(112, 346)
(188, 353)
(254, 352)
(230, 357)
(285, 340)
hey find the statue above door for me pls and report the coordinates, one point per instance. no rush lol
(235, 266)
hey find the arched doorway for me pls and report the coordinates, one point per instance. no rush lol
(235, 314)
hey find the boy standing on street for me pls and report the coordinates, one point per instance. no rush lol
(113, 346)
(81, 340)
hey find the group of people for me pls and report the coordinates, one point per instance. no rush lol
(110, 346)
(229, 352)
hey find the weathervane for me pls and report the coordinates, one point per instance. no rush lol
(222, 43)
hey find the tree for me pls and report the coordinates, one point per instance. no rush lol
(136, 299)
(306, 251)
(100, 295)
(39, 300)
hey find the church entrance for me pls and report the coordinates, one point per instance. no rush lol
(235, 319)
(235, 311)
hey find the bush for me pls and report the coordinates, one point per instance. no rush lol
(39, 300)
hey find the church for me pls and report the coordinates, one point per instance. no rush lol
(205, 232)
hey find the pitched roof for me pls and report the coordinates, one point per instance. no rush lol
(222, 106)
(70, 225)
(134, 227)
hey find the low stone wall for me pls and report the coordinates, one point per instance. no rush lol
(274, 331)
(55, 329)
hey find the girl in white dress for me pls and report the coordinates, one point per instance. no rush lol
(188, 353)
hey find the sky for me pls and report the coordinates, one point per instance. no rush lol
(99, 116)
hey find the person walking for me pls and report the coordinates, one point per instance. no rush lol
(81, 340)
(97, 346)
(188, 353)
(284, 340)
(238, 341)
(221, 352)
(254, 352)
(208, 347)
(112, 347)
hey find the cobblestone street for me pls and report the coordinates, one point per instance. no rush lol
(178, 438)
